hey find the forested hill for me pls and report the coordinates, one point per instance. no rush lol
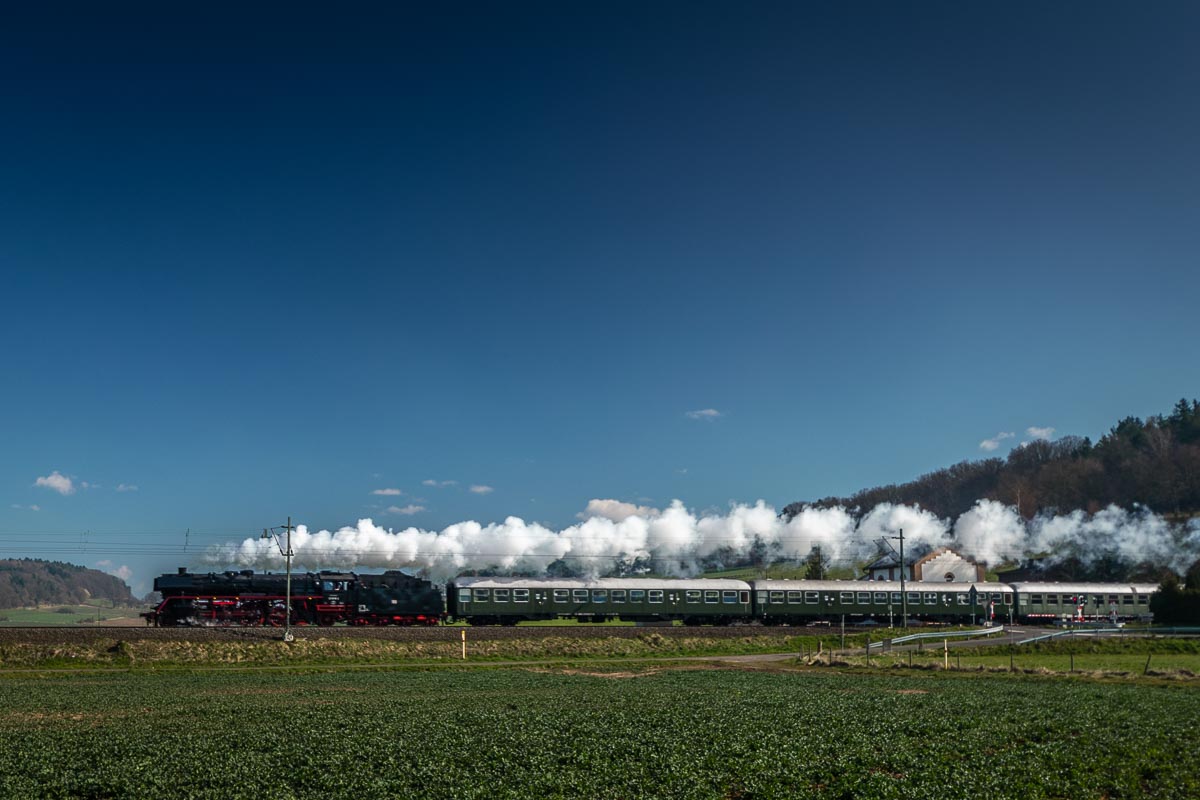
(31, 582)
(1154, 462)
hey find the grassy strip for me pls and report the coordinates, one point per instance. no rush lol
(114, 652)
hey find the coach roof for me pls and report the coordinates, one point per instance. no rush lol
(725, 584)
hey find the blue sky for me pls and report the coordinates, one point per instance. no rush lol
(265, 262)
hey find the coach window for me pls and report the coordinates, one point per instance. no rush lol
(1112, 599)
(1023, 597)
(1035, 599)
(931, 598)
(777, 597)
(846, 597)
(562, 595)
(500, 596)
(729, 597)
(743, 597)
(599, 595)
(481, 595)
(914, 598)
(464, 595)
(1143, 599)
(811, 598)
(864, 598)
(1051, 599)
(579, 595)
(520, 595)
(637, 595)
(761, 597)
(618, 595)
(656, 595)
(963, 599)
(712, 596)
(692, 596)
(1126, 599)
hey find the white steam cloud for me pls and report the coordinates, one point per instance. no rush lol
(676, 540)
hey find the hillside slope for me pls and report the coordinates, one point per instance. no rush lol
(32, 582)
(1153, 463)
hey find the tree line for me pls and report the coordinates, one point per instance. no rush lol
(33, 582)
(1153, 462)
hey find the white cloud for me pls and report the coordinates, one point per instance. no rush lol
(127, 487)
(406, 511)
(703, 413)
(438, 484)
(58, 482)
(1039, 433)
(388, 492)
(123, 572)
(991, 444)
(479, 488)
(615, 510)
(27, 508)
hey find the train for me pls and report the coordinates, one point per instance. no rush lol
(247, 598)
(250, 599)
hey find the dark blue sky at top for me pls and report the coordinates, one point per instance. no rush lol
(261, 261)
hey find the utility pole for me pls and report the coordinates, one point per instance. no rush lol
(903, 593)
(269, 533)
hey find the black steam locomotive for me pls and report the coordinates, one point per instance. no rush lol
(317, 598)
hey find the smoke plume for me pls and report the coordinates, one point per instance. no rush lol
(677, 541)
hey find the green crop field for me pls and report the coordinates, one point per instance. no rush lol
(67, 615)
(507, 733)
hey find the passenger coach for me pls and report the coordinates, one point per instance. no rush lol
(1043, 602)
(507, 601)
(783, 602)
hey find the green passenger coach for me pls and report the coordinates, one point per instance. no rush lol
(1046, 602)
(507, 601)
(784, 602)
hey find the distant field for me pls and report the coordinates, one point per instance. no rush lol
(1133, 655)
(70, 615)
(511, 733)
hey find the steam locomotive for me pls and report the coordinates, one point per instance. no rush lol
(394, 598)
(317, 598)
